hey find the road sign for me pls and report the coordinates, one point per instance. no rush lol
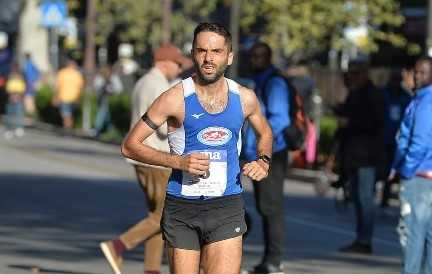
(54, 13)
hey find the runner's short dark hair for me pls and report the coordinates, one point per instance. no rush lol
(216, 28)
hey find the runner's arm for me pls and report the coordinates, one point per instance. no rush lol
(168, 105)
(258, 169)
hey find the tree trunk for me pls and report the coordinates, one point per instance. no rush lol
(166, 20)
(89, 60)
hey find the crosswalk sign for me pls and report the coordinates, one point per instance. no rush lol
(54, 13)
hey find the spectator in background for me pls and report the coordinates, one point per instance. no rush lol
(413, 164)
(69, 83)
(32, 75)
(397, 95)
(169, 63)
(5, 68)
(15, 88)
(299, 77)
(361, 118)
(273, 93)
(126, 66)
(106, 83)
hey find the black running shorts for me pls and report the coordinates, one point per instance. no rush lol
(190, 224)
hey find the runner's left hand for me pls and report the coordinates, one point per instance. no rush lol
(256, 170)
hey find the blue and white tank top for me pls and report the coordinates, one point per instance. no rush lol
(217, 135)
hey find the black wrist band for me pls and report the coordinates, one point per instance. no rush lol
(265, 158)
(149, 122)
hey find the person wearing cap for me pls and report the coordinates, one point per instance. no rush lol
(169, 62)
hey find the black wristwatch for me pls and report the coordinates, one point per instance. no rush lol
(265, 158)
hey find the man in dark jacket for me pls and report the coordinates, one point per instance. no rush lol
(362, 118)
(397, 95)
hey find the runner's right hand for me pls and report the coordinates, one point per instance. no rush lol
(195, 163)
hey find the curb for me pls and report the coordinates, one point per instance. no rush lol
(76, 133)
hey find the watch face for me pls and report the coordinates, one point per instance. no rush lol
(265, 158)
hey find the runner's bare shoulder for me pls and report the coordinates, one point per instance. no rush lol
(248, 99)
(170, 103)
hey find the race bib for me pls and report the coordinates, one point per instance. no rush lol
(214, 182)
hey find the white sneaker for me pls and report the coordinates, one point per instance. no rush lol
(19, 132)
(114, 260)
(8, 135)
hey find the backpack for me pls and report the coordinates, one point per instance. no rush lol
(295, 133)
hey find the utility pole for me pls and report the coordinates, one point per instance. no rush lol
(53, 48)
(166, 21)
(89, 61)
(235, 33)
(429, 30)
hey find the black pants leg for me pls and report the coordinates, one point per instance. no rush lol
(269, 202)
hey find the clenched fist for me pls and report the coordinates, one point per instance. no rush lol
(196, 163)
(256, 170)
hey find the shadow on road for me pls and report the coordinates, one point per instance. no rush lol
(64, 218)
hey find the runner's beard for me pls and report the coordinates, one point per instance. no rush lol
(210, 79)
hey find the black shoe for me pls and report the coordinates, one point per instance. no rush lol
(268, 268)
(337, 184)
(357, 248)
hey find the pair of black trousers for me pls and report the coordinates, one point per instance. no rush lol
(269, 198)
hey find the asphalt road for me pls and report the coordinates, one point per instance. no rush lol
(60, 196)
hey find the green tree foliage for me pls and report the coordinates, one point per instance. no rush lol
(296, 28)
(141, 21)
(301, 28)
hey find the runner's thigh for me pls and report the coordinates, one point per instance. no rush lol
(183, 261)
(223, 257)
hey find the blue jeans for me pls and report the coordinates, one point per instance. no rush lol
(14, 114)
(415, 225)
(362, 182)
(67, 109)
(103, 117)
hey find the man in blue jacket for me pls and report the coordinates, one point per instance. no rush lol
(272, 92)
(413, 164)
(32, 76)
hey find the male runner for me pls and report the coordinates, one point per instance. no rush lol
(203, 220)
